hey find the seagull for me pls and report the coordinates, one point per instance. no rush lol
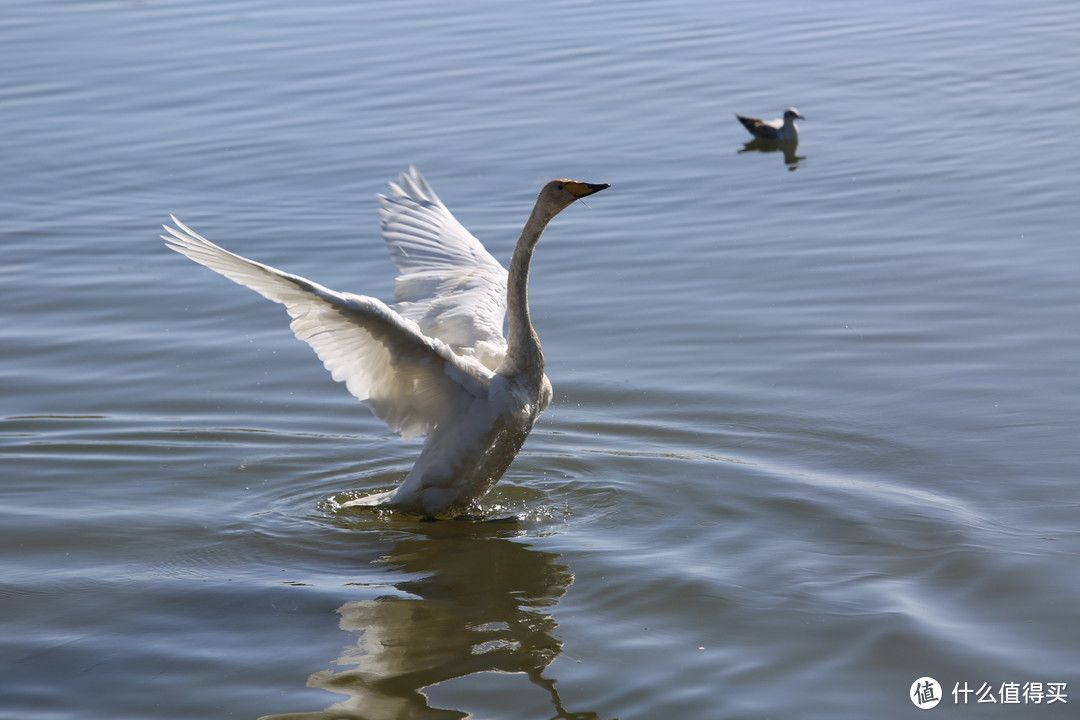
(434, 362)
(785, 129)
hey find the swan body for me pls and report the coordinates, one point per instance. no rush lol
(434, 361)
(783, 129)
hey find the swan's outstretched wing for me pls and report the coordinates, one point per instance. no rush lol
(410, 381)
(448, 283)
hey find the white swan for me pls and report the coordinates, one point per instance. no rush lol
(435, 361)
(785, 129)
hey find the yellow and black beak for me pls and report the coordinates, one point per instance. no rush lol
(583, 189)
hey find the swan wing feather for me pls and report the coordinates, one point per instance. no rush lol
(412, 382)
(448, 283)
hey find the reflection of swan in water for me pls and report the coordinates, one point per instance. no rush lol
(435, 361)
(790, 149)
(478, 606)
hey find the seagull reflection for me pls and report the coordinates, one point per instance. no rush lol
(789, 148)
(475, 604)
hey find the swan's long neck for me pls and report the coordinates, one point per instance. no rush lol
(523, 352)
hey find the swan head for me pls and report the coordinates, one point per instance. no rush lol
(558, 194)
(793, 114)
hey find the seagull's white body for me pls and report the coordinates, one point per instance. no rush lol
(781, 129)
(435, 361)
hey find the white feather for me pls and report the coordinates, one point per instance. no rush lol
(448, 283)
(410, 381)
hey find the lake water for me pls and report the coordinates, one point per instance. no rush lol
(814, 434)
